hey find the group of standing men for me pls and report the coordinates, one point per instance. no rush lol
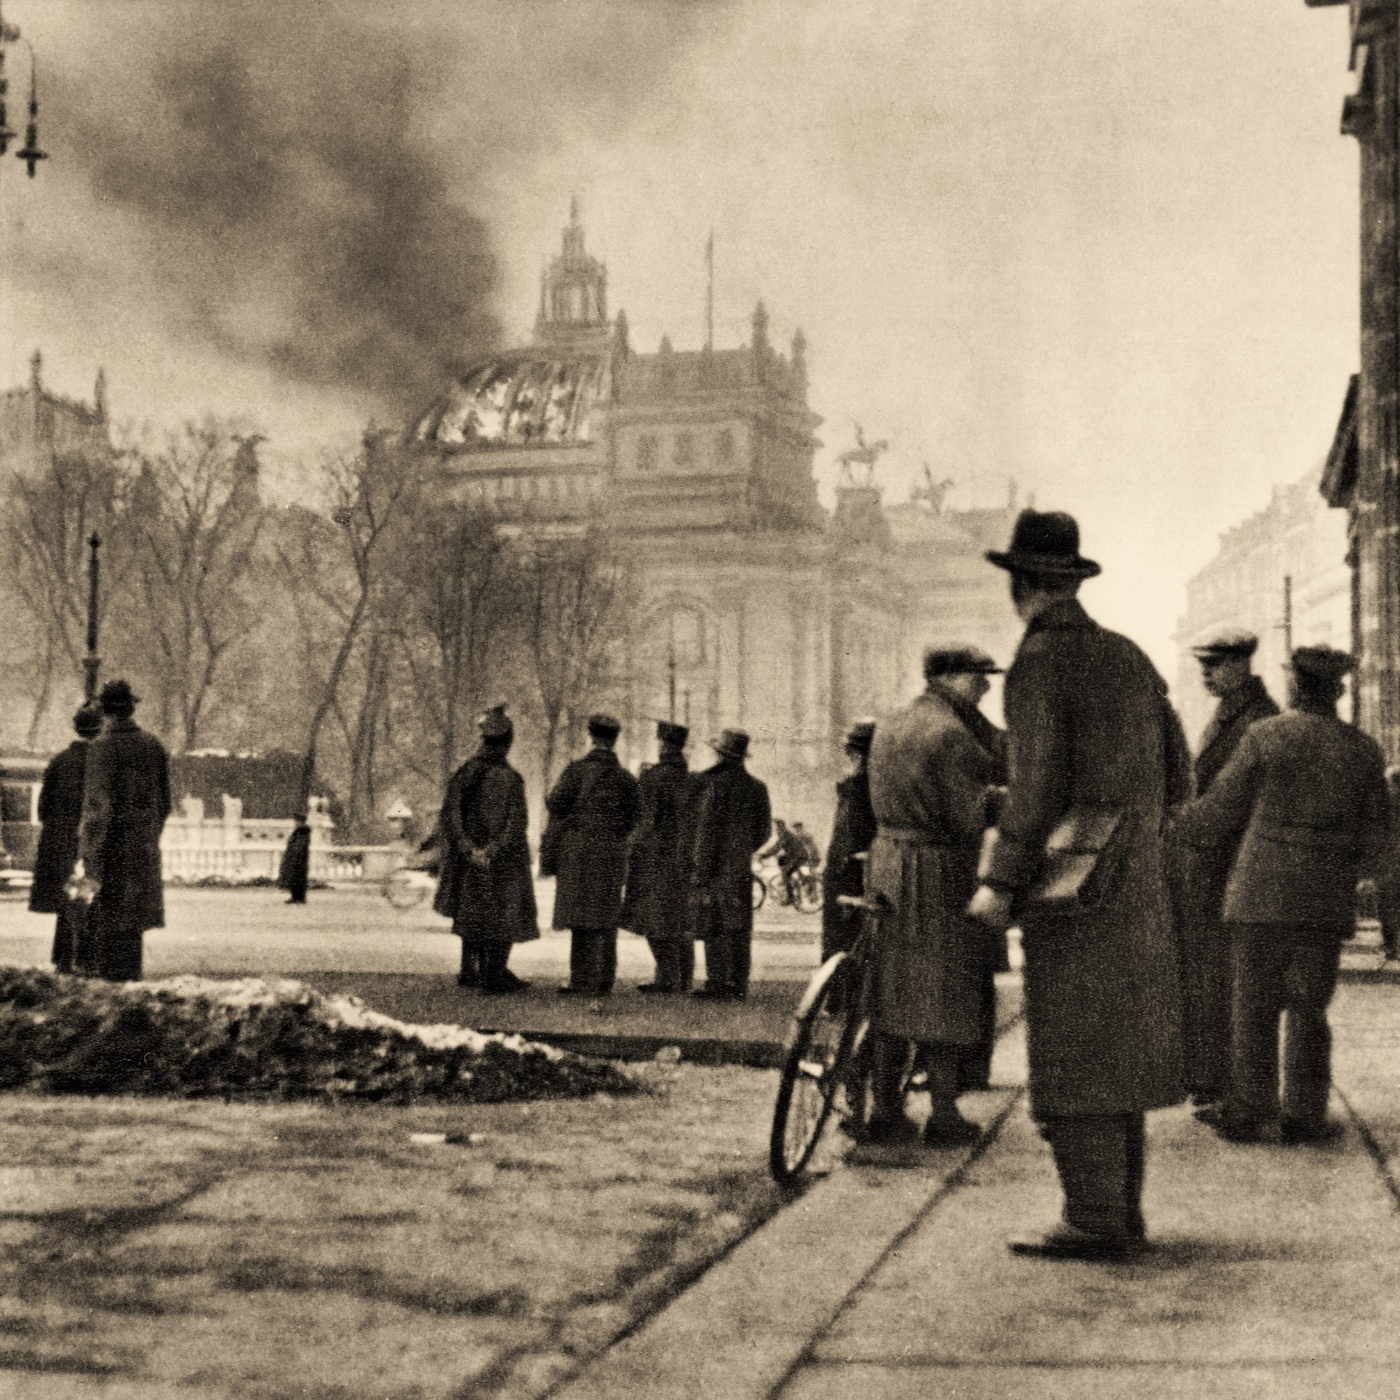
(1207, 918)
(103, 803)
(668, 856)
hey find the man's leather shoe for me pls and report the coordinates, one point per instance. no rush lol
(1293, 1131)
(1070, 1242)
(1210, 1114)
(891, 1132)
(1241, 1130)
(950, 1132)
(569, 992)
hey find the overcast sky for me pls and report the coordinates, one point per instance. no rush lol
(1105, 247)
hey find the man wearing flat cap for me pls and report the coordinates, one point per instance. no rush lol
(658, 874)
(852, 831)
(484, 883)
(930, 785)
(126, 799)
(60, 810)
(596, 803)
(1088, 729)
(732, 820)
(1199, 876)
(1304, 800)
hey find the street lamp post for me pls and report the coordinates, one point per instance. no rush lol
(92, 662)
(29, 153)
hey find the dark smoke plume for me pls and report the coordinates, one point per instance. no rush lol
(316, 177)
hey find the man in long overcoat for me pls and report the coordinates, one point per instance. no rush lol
(732, 820)
(1307, 790)
(930, 784)
(658, 873)
(60, 811)
(598, 803)
(1199, 875)
(294, 869)
(126, 800)
(1088, 725)
(484, 881)
(852, 831)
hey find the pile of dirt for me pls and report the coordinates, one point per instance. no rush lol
(194, 1037)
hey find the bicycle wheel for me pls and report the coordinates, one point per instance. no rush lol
(760, 892)
(822, 1041)
(777, 887)
(809, 893)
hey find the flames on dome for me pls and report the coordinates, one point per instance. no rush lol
(521, 400)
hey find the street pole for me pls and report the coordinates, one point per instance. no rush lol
(92, 662)
(1287, 618)
(671, 682)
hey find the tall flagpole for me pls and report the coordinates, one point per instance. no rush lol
(710, 290)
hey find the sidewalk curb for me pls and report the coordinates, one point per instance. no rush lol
(711, 1051)
(745, 1325)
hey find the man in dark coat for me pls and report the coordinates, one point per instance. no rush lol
(1088, 726)
(1307, 791)
(598, 803)
(930, 783)
(1198, 876)
(732, 820)
(60, 811)
(126, 800)
(852, 831)
(294, 870)
(484, 881)
(658, 872)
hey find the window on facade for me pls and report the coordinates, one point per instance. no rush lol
(685, 450)
(646, 453)
(724, 447)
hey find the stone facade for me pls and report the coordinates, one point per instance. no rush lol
(1285, 565)
(1362, 468)
(37, 426)
(757, 607)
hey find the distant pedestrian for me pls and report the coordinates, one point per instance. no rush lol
(1198, 876)
(852, 831)
(484, 884)
(60, 811)
(1089, 732)
(931, 784)
(294, 872)
(597, 803)
(126, 800)
(1304, 798)
(658, 873)
(732, 820)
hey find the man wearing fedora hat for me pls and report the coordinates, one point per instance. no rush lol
(930, 788)
(657, 904)
(1198, 877)
(597, 804)
(732, 820)
(1088, 726)
(852, 831)
(60, 810)
(1303, 805)
(126, 799)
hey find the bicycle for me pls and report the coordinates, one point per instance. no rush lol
(759, 893)
(806, 889)
(826, 1069)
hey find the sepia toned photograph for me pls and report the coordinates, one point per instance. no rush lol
(700, 700)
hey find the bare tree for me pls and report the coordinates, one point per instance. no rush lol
(48, 521)
(339, 574)
(576, 594)
(457, 597)
(196, 515)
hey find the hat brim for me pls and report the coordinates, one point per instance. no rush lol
(1050, 565)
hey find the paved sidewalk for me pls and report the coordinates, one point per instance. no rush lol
(1276, 1272)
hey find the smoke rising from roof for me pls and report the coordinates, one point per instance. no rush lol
(316, 180)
